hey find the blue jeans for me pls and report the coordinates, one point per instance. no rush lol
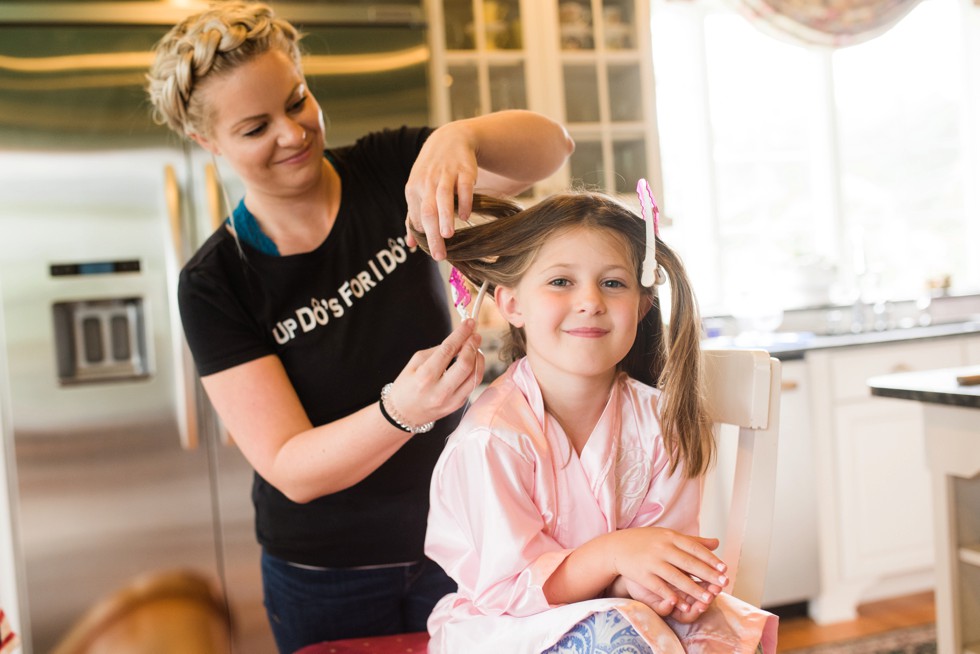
(307, 606)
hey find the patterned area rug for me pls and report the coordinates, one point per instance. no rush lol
(911, 640)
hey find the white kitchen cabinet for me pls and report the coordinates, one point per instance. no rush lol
(882, 487)
(584, 63)
(872, 484)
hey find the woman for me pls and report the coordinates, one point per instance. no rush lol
(312, 300)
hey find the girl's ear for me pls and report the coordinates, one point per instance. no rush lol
(508, 305)
(646, 303)
(206, 144)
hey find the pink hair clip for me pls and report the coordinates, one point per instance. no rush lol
(650, 212)
(461, 295)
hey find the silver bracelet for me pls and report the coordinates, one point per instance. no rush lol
(394, 418)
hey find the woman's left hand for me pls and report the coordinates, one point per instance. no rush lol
(503, 152)
(445, 169)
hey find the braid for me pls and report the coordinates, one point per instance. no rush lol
(211, 43)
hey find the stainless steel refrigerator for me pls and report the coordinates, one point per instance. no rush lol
(116, 465)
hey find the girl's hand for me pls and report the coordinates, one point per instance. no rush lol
(686, 612)
(446, 168)
(623, 587)
(690, 609)
(432, 385)
(664, 561)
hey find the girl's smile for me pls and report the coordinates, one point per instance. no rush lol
(587, 332)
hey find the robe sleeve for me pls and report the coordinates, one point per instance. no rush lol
(485, 529)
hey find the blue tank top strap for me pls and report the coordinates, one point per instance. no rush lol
(248, 231)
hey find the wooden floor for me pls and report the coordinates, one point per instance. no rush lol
(876, 617)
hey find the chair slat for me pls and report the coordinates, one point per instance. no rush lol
(737, 387)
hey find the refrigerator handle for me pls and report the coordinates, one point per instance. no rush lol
(212, 185)
(184, 378)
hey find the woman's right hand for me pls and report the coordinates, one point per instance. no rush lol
(664, 561)
(437, 381)
(262, 411)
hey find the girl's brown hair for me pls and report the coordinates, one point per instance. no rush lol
(501, 250)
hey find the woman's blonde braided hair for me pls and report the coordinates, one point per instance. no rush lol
(212, 42)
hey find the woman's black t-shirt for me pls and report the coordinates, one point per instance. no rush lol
(344, 319)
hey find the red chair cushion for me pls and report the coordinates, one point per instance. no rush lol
(414, 643)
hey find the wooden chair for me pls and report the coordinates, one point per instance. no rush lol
(173, 612)
(743, 391)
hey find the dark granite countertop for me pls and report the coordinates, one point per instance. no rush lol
(787, 346)
(934, 386)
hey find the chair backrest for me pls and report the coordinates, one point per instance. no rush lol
(171, 612)
(743, 390)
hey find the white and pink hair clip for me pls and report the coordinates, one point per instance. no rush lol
(652, 273)
(461, 295)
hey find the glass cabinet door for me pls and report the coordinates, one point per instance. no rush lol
(483, 47)
(459, 25)
(506, 82)
(585, 63)
(608, 86)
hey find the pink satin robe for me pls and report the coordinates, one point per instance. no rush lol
(510, 499)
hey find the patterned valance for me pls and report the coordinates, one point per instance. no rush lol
(832, 23)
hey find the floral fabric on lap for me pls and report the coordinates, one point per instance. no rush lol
(602, 633)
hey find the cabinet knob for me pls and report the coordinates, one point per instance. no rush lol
(789, 385)
(901, 367)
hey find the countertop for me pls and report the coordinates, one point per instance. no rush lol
(787, 346)
(933, 386)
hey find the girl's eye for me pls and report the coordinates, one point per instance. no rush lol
(296, 106)
(560, 282)
(614, 283)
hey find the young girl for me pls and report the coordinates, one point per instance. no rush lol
(565, 505)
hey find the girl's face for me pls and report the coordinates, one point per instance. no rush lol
(579, 304)
(266, 124)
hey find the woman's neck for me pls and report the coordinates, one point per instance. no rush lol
(575, 402)
(301, 222)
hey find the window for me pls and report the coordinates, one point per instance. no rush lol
(798, 176)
